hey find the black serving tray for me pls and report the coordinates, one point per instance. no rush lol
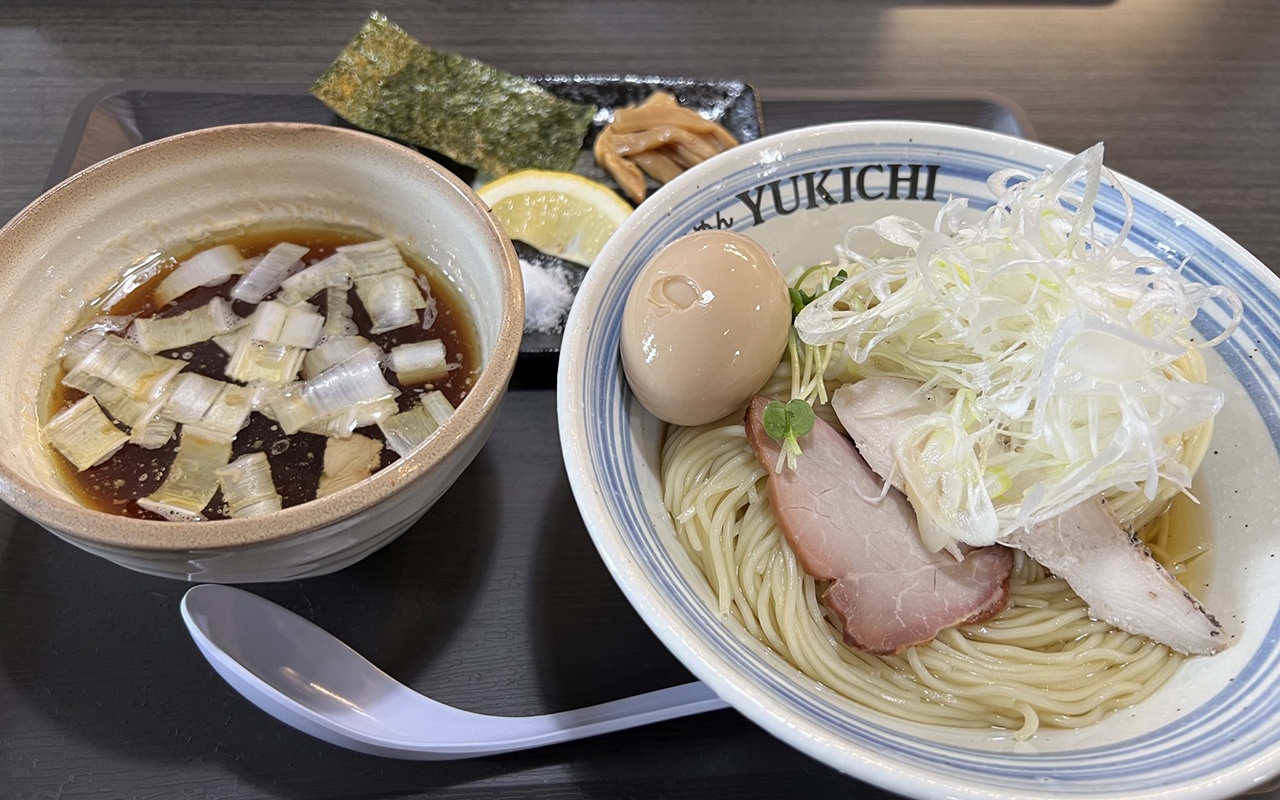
(495, 601)
(125, 115)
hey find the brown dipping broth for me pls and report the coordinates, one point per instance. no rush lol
(298, 459)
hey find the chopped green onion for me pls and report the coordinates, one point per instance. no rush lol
(267, 275)
(206, 268)
(212, 404)
(153, 334)
(84, 434)
(391, 298)
(117, 402)
(285, 404)
(316, 278)
(153, 431)
(248, 487)
(357, 379)
(82, 342)
(419, 362)
(259, 361)
(343, 423)
(373, 258)
(143, 375)
(408, 429)
(438, 406)
(192, 479)
(337, 312)
(333, 351)
(296, 325)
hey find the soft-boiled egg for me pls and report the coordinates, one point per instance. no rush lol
(704, 327)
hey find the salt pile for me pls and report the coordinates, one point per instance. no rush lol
(547, 296)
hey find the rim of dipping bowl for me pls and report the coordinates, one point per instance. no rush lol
(57, 208)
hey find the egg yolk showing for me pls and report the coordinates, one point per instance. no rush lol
(704, 327)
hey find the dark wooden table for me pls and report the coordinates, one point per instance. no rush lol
(102, 694)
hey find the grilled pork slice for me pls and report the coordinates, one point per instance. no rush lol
(1104, 564)
(888, 592)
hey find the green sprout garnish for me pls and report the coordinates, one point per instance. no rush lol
(787, 423)
(800, 298)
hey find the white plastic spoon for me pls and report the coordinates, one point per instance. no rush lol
(305, 677)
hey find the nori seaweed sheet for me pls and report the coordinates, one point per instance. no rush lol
(389, 83)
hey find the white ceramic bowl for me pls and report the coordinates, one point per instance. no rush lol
(75, 241)
(1212, 731)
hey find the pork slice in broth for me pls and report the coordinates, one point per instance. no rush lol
(887, 590)
(1118, 579)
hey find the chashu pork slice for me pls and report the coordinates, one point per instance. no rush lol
(887, 590)
(1111, 571)
(1115, 575)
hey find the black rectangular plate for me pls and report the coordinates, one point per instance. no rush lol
(127, 115)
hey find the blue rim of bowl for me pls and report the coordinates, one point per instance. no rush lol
(1223, 745)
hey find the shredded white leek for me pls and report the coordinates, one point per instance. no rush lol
(153, 334)
(419, 362)
(192, 480)
(347, 462)
(1055, 346)
(207, 268)
(270, 271)
(248, 487)
(84, 434)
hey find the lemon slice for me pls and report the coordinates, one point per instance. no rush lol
(560, 213)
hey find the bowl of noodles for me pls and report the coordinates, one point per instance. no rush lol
(1162, 411)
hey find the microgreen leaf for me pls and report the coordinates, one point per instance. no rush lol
(775, 420)
(787, 423)
(799, 417)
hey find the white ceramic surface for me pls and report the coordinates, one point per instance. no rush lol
(1212, 731)
(74, 242)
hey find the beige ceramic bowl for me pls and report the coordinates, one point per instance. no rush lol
(75, 241)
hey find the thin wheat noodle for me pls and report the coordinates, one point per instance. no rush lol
(1043, 662)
